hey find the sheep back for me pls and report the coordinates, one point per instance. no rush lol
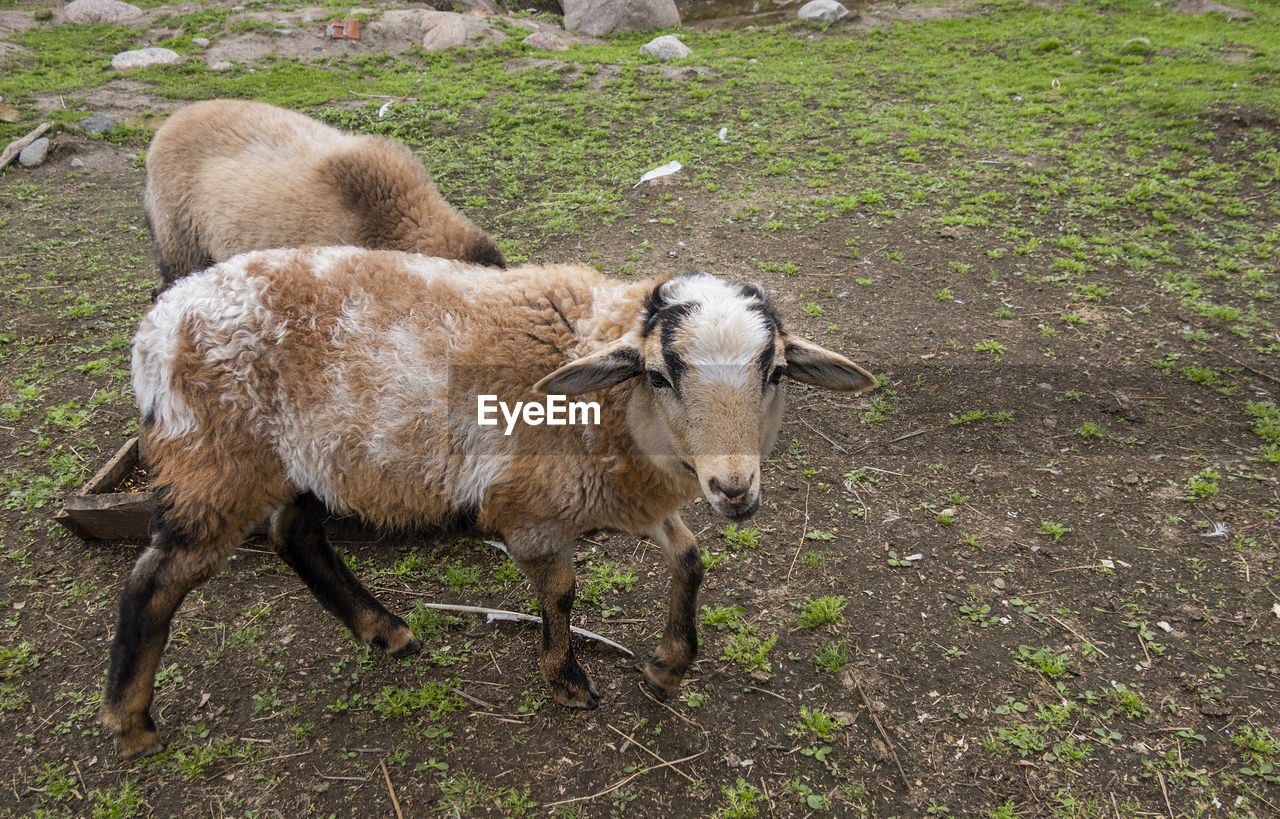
(229, 176)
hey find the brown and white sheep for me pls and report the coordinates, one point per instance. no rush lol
(229, 176)
(291, 382)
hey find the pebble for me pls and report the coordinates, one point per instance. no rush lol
(200, 42)
(34, 154)
(822, 12)
(97, 123)
(666, 47)
(100, 11)
(77, 163)
(143, 57)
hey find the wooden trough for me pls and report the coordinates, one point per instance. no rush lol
(117, 504)
(104, 510)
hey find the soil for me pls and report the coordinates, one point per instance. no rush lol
(271, 709)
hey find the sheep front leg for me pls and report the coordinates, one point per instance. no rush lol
(673, 656)
(553, 583)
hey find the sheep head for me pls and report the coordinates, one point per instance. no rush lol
(710, 357)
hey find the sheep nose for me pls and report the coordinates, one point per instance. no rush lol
(732, 494)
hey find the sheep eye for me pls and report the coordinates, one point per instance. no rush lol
(658, 380)
(777, 374)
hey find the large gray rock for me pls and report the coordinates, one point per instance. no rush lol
(545, 41)
(442, 30)
(34, 154)
(822, 12)
(666, 47)
(100, 11)
(97, 123)
(596, 17)
(143, 57)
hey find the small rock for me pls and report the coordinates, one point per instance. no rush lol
(1131, 479)
(219, 65)
(34, 154)
(77, 163)
(100, 11)
(999, 583)
(545, 41)
(822, 12)
(97, 123)
(666, 47)
(200, 42)
(143, 57)
(9, 114)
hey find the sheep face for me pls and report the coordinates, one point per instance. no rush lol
(710, 357)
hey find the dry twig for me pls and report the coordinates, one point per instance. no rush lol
(641, 746)
(395, 803)
(883, 733)
(626, 779)
(803, 529)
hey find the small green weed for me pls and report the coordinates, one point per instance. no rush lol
(822, 611)
(1045, 660)
(750, 651)
(722, 617)
(817, 723)
(742, 801)
(830, 657)
(435, 698)
(1202, 485)
(1057, 531)
(17, 660)
(745, 536)
(1128, 701)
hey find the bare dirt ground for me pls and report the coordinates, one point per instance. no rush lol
(1056, 564)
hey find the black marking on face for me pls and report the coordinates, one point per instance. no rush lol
(764, 363)
(658, 312)
(671, 318)
(676, 368)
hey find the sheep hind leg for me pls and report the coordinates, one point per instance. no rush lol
(553, 583)
(178, 252)
(176, 562)
(297, 533)
(666, 667)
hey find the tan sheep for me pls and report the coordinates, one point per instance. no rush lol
(228, 176)
(298, 382)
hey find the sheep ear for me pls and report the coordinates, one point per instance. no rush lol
(811, 364)
(610, 365)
